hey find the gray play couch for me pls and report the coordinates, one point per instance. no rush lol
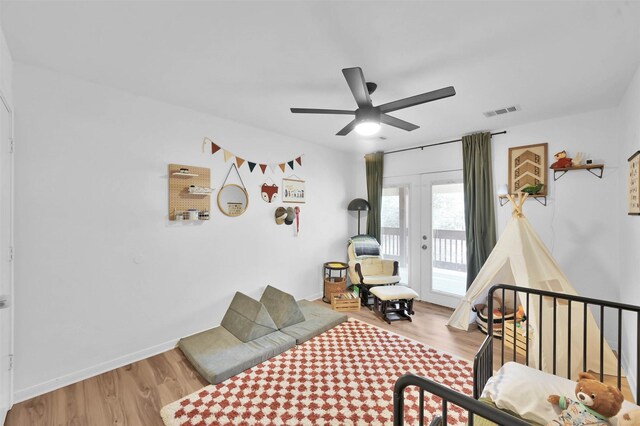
(253, 331)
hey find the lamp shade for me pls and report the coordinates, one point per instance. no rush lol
(359, 204)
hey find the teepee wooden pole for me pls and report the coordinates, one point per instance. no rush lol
(518, 203)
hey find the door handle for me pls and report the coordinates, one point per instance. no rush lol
(424, 247)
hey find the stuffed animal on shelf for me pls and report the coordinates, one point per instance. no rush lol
(562, 161)
(632, 418)
(595, 403)
(533, 189)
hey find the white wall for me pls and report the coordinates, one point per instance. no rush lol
(102, 277)
(577, 224)
(6, 69)
(629, 226)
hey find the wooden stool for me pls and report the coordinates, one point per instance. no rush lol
(394, 302)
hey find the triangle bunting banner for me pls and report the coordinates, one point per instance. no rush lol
(228, 155)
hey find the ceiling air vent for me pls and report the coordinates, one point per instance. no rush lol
(502, 111)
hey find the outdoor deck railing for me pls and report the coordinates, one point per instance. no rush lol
(449, 247)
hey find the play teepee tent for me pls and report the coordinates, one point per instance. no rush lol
(521, 259)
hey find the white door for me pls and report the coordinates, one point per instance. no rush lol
(442, 240)
(6, 259)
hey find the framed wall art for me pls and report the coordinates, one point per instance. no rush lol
(293, 191)
(634, 184)
(528, 166)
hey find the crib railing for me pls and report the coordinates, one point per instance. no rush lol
(483, 362)
(448, 396)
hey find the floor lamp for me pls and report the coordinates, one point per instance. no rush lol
(359, 205)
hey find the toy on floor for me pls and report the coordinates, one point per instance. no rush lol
(632, 418)
(595, 404)
(562, 160)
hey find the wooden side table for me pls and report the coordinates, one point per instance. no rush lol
(335, 279)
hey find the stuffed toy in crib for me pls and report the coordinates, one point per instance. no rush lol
(595, 403)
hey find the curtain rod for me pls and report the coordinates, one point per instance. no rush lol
(435, 144)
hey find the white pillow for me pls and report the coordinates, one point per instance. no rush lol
(524, 390)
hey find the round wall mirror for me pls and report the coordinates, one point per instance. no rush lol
(233, 200)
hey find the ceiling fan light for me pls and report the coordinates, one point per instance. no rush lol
(367, 128)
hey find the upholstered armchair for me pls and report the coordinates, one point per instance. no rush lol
(367, 268)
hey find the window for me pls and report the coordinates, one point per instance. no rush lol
(395, 232)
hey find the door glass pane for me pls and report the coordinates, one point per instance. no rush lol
(395, 234)
(449, 259)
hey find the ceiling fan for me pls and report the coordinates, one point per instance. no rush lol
(368, 117)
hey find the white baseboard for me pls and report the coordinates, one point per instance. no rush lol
(631, 374)
(314, 296)
(77, 376)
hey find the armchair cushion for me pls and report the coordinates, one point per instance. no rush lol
(374, 269)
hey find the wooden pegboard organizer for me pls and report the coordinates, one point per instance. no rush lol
(180, 200)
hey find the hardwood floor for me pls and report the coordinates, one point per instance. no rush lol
(134, 394)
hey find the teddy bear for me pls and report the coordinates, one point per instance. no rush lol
(595, 403)
(562, 161)
(632, 418)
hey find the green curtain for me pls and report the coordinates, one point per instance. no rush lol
(479, 210)
(374, 164)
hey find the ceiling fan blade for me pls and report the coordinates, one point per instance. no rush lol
(396, 122)
(347, 129)
(321, 111)
(418, 99)
(355, 80)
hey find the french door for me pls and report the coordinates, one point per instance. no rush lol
(423, 229)
(442, 240)
(6, 259)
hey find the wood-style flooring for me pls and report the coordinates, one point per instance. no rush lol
(134, 394)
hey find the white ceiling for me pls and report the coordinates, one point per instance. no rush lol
(252, 61)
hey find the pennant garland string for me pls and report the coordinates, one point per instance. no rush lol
(228, 155)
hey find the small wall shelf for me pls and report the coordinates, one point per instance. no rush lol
(588, 167)
(184, 174)
(180, 199)
(542, 199)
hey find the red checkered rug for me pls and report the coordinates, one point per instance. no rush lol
(345, 376)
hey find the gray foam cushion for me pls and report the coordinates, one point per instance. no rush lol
(217, 354)
(247, 319)
(318, 320)
(282, 307)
